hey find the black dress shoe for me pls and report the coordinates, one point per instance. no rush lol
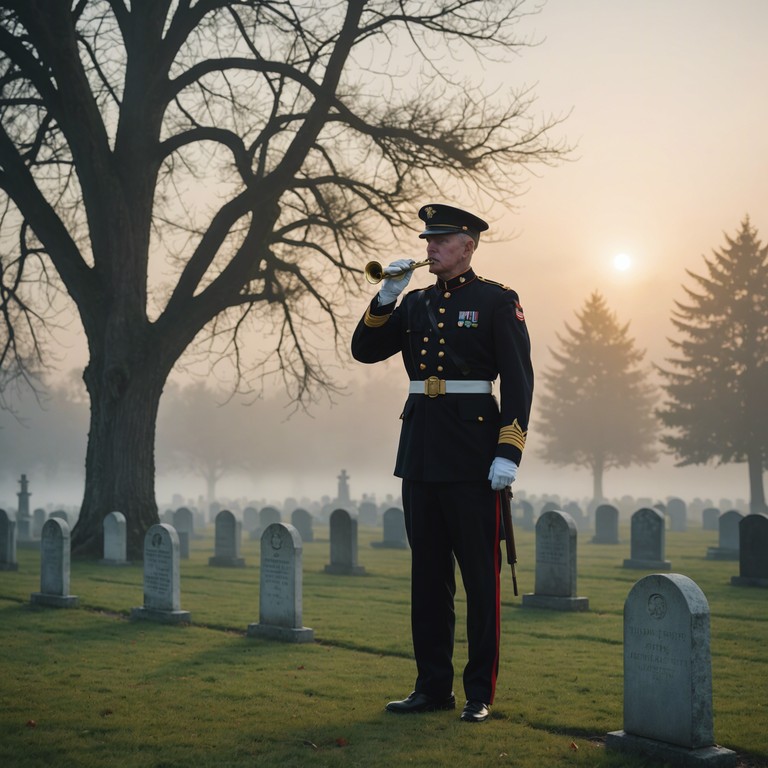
(475, 712)
(420, 702)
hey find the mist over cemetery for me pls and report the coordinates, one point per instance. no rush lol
(638, 638)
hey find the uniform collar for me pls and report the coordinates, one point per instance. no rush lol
(456, 282)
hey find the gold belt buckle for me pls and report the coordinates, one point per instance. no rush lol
(434, 386)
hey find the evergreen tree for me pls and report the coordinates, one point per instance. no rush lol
(597, 409)
(718, 380)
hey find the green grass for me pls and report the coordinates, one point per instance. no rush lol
(87, 687)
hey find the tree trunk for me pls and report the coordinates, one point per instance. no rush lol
(597, 482)
(756, 489)
(120, 459)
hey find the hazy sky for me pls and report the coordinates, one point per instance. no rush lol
(668, 114)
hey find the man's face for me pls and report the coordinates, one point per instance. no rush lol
(450, 254)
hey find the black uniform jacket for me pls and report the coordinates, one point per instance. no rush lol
(468, 328)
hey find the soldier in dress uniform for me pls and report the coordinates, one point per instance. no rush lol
(457, 448)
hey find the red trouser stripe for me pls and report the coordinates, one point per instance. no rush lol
(497, 556)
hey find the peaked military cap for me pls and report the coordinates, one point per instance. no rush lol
(445, 220)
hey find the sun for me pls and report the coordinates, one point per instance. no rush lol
(622, 262)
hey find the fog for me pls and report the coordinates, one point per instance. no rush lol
(667, 116)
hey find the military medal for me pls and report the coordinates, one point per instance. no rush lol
(468, 319)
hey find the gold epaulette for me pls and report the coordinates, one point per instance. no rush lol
(493, 282)
(375, 321)
(513, 435)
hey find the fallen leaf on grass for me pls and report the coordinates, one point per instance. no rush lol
(342, 742)
(31, 723)
(574, 746)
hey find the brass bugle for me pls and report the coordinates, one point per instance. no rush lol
(374, 272)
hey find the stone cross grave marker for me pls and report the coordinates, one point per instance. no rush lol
(668, 675)
(162, 578)
(280, 587)
(555, 585)
(55, 566)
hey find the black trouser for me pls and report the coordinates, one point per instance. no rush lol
(443, 521)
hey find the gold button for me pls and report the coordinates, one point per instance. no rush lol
(447, 295)
(441, 310)
(423, 352)
(479, 418)
(442, 341)
(439, 368)
(426, 339)
(462, 279)
(439, 354)
(422, 366)
(440, 325)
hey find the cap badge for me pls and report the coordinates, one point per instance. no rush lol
(429, 211)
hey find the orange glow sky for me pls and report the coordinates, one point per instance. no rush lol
(669, 115)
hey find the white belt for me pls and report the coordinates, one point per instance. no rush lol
(432, 387)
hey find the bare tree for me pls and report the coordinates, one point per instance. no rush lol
(187, 171)
(597, 408)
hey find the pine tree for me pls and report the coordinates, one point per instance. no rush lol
(718, 381)
(597, 409)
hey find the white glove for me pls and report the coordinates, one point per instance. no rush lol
(391, 289)
(502, 474)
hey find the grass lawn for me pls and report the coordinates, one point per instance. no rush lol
(88, 687)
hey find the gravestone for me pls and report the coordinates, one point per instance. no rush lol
(753, 552)
(343, 497)
(343, 529)
(367, 514)
(267, 516)
(115, 539)
(162, 576)
(710, 518)
(606, 525)
(250, 519)
(677, 512)
(60, 514)
(55, 567)
(577, 513)
(8, 560)
(555, 585)
(394, 536)
(227, 541)
(728, 537)
(280, 587)
(39, 516)
(23, 518)
(528, 515)
(668, 675)
(184, 522)
(302, 522)
(647, 541)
